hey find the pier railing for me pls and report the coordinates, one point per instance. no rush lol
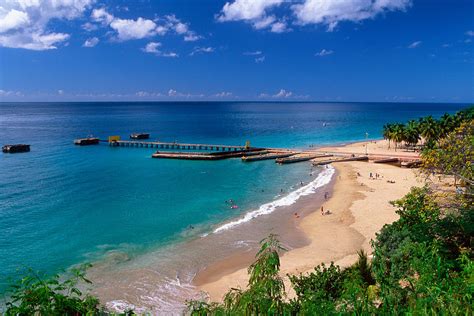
(179, 146)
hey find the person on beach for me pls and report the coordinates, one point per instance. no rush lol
(326, 194)
(322, 210)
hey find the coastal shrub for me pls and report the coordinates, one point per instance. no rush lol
(265, 294)
(318, 290)
(36, 294)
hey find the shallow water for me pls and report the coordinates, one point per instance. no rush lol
(61, 204)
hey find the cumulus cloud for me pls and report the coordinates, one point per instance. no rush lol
(261, 14)
(7, 93)
(175, 94)
(133, 29)
(89, 27)
(153, 48)
(324, 52)
(414, 44)
(201, 50)
(223, 94)
(91, 42)
(283, 94)
(25, 23)
(146, 94)
(129, 29)
(255, 12)
(191, 37)
(330, 13)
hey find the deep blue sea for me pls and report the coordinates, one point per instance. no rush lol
(62, 204)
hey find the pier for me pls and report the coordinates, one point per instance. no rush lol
(266, 156)
(299, 157)
(202, 155)
(198, 151)
(179, 146)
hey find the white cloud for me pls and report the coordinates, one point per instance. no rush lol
(175, 94)
(129, 29)
(223, 94)
(261, 13)
(170, 54)
(91, 42)
(279, 27)
(255, 53)
(89, 27)
(324, 52)
(14, 19)
(254, 12)
(414, 44)
(191, 37)
(102, 16)
(283, 94)
(24, 23)
(198, 50)
(146, 94)
(246, 10)
(470, 33)
(133, 29)
(180, 28)
(330, 12)
(259, 60)
(153, 48)
(7, 93)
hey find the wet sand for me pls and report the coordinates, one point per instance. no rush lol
(359, 206)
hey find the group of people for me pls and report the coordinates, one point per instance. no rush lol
(374, 176)
(328, 212)
(232, 204)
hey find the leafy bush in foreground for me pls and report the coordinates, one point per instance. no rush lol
(35, 294)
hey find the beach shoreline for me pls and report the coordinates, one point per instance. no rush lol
(359, 206)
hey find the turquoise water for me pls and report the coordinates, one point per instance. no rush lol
(61, 204)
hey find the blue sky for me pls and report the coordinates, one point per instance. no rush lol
(307, 50)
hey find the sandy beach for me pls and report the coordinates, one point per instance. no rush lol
(359, 207)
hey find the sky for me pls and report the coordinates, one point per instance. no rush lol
(237, 50)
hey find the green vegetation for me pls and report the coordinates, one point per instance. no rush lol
(422, 264)
(35, 294)
(426, 128)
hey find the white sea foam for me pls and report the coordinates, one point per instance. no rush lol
(322, 179)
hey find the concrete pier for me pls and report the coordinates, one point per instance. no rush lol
(178, 146)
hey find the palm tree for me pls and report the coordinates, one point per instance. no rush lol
(429, 129)
(398, 134)
(447, 124)
(411, 133)
(388, 133)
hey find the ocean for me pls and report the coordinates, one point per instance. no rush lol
(61, 205)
